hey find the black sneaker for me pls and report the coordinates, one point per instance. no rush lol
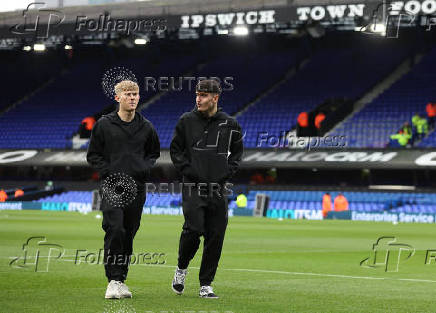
(178, 284)
(207, 292)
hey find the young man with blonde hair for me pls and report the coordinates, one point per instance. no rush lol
(122, 142)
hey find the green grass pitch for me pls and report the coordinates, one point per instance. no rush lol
(266, 266)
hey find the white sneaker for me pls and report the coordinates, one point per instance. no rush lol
(178, 284)
(113, 290)
(124, 291)
(207, 292)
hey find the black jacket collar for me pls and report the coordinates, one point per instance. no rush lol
(218, 115)
(115, 119)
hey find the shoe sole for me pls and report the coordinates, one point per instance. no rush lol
(177, 292)
(206, 297)
(115, 297)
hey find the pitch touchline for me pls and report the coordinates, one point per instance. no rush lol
(308, 274)
(289, 273)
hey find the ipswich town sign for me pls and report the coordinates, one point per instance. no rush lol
(225, 19)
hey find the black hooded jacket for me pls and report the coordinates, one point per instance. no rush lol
(207, 149)
(116, 148)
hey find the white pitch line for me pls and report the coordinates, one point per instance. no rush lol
(288, 273)
(300, 273)
(306, 274)
(32, 257)
(417, 280)
(330, 275)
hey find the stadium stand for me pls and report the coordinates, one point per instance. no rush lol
(332, 72)
(291, 200)
(153, 199)
(372, 126)
(35, 68)
(269, 68)
(50, 117)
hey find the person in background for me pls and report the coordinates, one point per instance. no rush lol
(407, 129)
(257, 179)
(3, 195)
(319, 118)
(421, 128)
(18, 193)
(86, 127)
(241, 201)
(303, 119)
(415, 119)
(399, 140)
(431, 113)
(326, 204)
(271, 176)
(341, 203)
(49, 186)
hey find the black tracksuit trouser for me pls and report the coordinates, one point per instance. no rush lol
(120, 226)
(205, 216)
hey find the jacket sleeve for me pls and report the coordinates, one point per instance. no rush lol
(236, 150)
(153, 148)
(178, 150)
(95, 154)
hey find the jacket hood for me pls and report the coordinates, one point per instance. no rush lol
(114, 118)
(137, 126)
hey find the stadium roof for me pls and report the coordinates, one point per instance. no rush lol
(151, 8)
(170, 7)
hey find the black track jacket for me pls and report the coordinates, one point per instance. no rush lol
(113, 149)
(207, 149)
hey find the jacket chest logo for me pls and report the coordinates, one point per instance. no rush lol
(216, 139)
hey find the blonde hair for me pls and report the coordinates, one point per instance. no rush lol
(125, 85)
